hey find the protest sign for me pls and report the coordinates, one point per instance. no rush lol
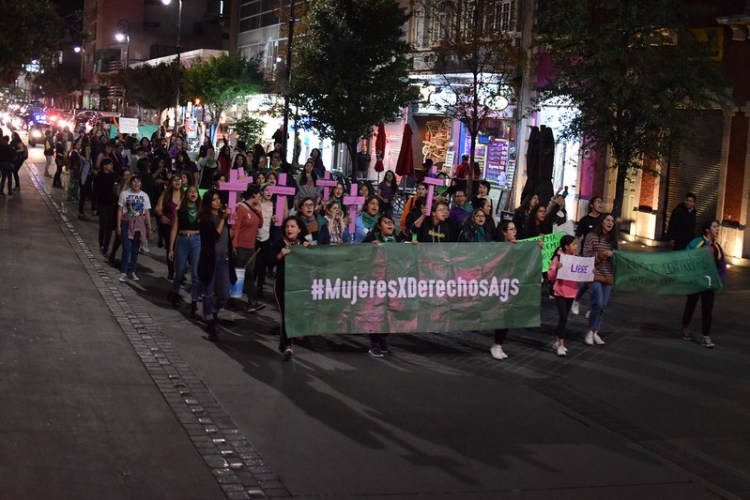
(575, 268)
(405, 288)
(128, 125)
(551, 243)
(666, 273)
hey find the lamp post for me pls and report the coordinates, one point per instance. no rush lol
(290, 37)
(123, 36)
(179, 50)
(82, 51)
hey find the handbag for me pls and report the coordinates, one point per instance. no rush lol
(604, 280)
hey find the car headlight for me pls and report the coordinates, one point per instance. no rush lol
(36, 134)
(62, 123)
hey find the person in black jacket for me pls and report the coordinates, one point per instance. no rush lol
(103, 187)
(438, 227)
(682, 223)
(216, 263)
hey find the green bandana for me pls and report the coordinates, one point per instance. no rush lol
(369, 220)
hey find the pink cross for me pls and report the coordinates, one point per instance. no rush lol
(353, 201)
(234, 186)
(327, 184)
(281, 190)
(431, 182)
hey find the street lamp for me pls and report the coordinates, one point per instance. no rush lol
(179, 50)
(123, 36)
(82, 51)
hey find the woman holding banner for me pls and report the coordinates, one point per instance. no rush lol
(294, 235)
(507, 234)
(435, 227)
(600, 244)
(708, 240)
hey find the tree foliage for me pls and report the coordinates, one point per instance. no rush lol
(629, 69)
(249, 129)
(350, 69)
(58, 81)
(29, 29)
(151, 87)
(223, 81)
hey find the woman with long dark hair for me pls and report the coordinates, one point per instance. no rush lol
(387, 192)
(600, 244)
(166, 211)
(185, 246)
(521, 213)
(216, 263)
(709, 240)
(293, 237)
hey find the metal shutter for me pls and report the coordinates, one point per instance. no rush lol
(696, 165)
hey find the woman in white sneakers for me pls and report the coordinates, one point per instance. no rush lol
(601, 244)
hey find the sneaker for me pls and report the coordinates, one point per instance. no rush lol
(707, 342)
(686, 335)
(375, 352)
(145, 249)
(575, 308)
(255, 307)
(47, 174)
(562, 351)
(589, 339)
(588, 314)
(598, 340)
(123, 277)
(133, 277)
(497, 352)
(287, 354)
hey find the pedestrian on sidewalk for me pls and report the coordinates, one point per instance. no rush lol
(86, 180)
(708, 240)
(59, 161)
(49, 151)
(184, 246)
(74, 177)
(600, 244)
(216, 263)
(564, 291)
(293, 236)
(682, 223)
(22, 154)
(6, 165)
(133, 226)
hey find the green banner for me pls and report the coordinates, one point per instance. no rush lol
(407, 288)
(551, 243)
(666, 273)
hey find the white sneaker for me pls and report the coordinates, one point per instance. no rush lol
(497, 352)
(598, 340)
(588, 314)
(555, 345)
(562, 350)
(575, 308)
(133, 277)
(123, 277)
(145, 249)
(589, 339)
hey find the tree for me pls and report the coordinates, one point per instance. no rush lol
(58, 81)
(249, 129)
(351, 69)
(223, 81)
(151, 87)
(630, 69)
(475, 58)
(29, 29)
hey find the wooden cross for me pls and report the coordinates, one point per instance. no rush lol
(327, 184)
(234, 186)
(353, 201)
(431, 182)
(281, 190)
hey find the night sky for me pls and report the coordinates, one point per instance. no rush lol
(67, 6)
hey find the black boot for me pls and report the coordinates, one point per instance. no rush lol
(193, 308)
(211, 328)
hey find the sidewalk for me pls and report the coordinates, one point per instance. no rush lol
(84, 416)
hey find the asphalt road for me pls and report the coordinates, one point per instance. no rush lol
(648, 415)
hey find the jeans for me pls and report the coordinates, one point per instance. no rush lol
(187, 248)
(216, 291)
(74, 186)
(47, 162)
(278, 293)
(598, 298)
(84, 193)
(130, 249)
(57, 180)
(707, 310)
